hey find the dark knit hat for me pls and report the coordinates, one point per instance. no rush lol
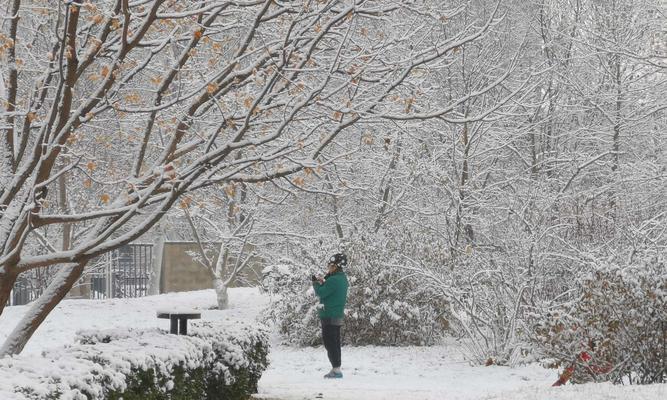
(339, 259)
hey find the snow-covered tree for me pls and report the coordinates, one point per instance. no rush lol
(114, 110)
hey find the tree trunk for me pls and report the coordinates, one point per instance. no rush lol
(41, 308)
(221, 293)
(156, 263)
(7, 281)
(386, 192)
(618, 119)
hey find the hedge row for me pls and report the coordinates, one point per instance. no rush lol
(219, 360)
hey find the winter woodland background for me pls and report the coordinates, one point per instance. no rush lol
(496, 171)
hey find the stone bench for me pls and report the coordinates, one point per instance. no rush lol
(179, 320)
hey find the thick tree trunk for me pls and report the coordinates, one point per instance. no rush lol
(7, 281)
(41, 308)
(221, 293)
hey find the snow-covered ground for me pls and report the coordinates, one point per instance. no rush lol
(371, 373)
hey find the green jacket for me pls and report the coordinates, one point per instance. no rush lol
(332, 294)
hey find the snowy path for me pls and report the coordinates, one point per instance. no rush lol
(371, 373)
(374, 373)
(413, 373)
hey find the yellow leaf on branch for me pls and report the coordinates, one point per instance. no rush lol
(133, 98)
(90, 7)
(185, 203)
(71, 139)
(230, 190)
(299, 181)
(408, 104)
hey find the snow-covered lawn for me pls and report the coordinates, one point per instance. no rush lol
(371, 373)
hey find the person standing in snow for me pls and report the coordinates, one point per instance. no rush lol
(332, 292)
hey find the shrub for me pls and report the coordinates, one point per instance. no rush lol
(385, 305)
(293, 303)
(615, 329)
(217, 361)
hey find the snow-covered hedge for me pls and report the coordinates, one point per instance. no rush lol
(385, 306)
(616, 329)
(219, 360)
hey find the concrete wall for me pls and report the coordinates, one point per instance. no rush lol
(180, 273)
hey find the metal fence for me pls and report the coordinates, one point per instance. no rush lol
(124, 272)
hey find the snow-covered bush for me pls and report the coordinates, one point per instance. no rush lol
(219, 360)
(388, 305)
(293, 303)
(385, 305)
(615, 330)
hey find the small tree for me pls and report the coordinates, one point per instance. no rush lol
(231, 257)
